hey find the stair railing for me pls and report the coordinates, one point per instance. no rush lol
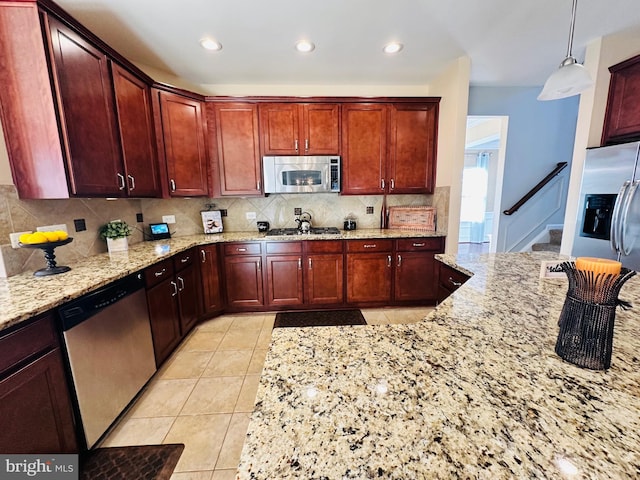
(559, 167)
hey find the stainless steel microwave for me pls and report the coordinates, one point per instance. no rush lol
(308, 174)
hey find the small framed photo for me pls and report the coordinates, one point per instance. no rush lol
(212, 221)
(552, 269)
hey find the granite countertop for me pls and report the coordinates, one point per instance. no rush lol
(25, 296)
(474, 390)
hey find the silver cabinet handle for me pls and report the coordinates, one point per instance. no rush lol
(382, 183)
(299, 263)
(306, 144)
(393, 185)
(389, 261)
(419, 244)
(181, 282)
(258, 185)
(172, 182)
(241, 249)
(453, 282)
(204, 256)
(185, 259)
(121, 184)
(175, 289)
(310, 264)
(258, 265)
(160, 273)
(132, 182)
(370, 245)
(296, 144)
(399, 260)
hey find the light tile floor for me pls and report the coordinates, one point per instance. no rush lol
(204, 394)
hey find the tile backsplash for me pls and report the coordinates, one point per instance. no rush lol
(326, 209)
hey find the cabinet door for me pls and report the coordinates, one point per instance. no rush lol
(187, 281)
(279, 129)
(238, 148)
(622, 118)
(369, 277)
(36, 409)
(416, 277)
(163, 314)
(86, 101)
(184, 145)
(320, 129)
(364, 149)
(412, 159)
(135, 122)
(243, 280)
(210, 273)
(324, 281)
(284, 280)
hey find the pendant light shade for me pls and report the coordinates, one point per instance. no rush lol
(571, 78)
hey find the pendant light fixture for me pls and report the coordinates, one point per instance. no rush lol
(571, 78)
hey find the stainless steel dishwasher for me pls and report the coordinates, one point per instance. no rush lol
(107, 336)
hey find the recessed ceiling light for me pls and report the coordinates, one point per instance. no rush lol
(305, 46)
(210, 44)
(393, 47)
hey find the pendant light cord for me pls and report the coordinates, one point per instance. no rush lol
(573, 22)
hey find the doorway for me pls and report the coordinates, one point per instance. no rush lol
(482, 176)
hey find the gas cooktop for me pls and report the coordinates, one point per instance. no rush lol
(295, 231)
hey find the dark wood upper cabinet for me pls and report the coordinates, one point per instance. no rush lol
(622, 117)
(237, 148)
(135, 122)
(411, 167)
(364, 148)
(300, 129)
(86, 103)
(181, 144)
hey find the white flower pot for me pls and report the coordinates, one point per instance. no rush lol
(117, 244)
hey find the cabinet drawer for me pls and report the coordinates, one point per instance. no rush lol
(450, 278)
(158, 272)
(183, 259)
(27, 341)
(242, 249)
(373, 245)
(284, 247)
(420, 244)
(323, 246)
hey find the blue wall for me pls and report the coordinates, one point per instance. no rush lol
(540, 134)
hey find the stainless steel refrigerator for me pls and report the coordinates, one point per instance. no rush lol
(608, 221)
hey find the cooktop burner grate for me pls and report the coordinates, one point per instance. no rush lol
(295, 231)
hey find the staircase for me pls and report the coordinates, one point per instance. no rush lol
(553, 245)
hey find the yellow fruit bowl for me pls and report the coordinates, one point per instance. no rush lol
(53, 244)
(49, 256)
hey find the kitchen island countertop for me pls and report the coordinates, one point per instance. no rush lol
(474, 390)
(25, 296)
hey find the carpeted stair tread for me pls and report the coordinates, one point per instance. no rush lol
(555, 236)
(545, 247)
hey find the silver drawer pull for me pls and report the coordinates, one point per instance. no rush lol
(175, 289)
(419, 244)
(370, 245)
(389, 261)
(185, 259)
(452, 281)
(204, 256)
(160, 273)
(241, 249)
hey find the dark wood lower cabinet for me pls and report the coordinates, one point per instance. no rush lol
(35, 402)
(163, 313)
(369, 278)
(211, 279)
(415, 275)
(243, 280)
(324, 280)
(449, 281)
(284, 280)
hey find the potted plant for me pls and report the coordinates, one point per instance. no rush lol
(116, 233)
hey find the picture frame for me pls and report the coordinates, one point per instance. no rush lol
(212, 221)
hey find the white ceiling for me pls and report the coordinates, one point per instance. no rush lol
(510, 42)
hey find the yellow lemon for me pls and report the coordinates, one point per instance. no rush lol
(24, 238)
(51, 236)
(62, 235)
(37, 237)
